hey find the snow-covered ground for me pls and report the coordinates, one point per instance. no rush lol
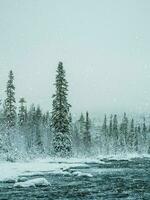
(11, 171)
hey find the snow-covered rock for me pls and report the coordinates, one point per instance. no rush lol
(81, 174)
(33, 183)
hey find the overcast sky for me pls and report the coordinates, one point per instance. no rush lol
(104, 45)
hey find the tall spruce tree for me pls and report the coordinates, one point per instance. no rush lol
(9, 105)
(62, 144)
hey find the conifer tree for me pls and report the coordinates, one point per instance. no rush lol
(78, 133)
(121, 136)
(139, 137)
(62, 144)
(110, 126)
(87, 135)
(46, 132)
(22, 115)
(115, 133)
(136, 139)
(125, 127)
(31, 125)
(115, 127)
(144, 130)
(46, 119)
(131, 136)
(123, 133)
(70, 122)
(104, 140)
(76, 139)
(139, 129)
(38, 123)
(81, 127)
(9, 106)
(104, 126)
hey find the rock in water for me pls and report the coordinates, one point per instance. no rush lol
(81, 174)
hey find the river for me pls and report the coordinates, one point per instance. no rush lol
(110, 179)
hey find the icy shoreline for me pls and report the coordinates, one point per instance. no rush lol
(11, 171)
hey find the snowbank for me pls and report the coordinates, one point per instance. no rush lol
(33, 183)
(11, 171)
(124, 156)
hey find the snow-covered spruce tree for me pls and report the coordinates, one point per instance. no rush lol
(87, 135)
(9, 106)
(125, 127)
(2, 131)
(60, 123)
(81, 127)
(10, 118)
(2, 138)
(144, 130)
(76, 140)
(123, 134)
(38, 121)
(144, 136)
(111, 126)
(104, 137)
(22, 126)
(104, 126)
(81, 130)
(46, 132)
(22, 115)
(31, 127)
(131, 136)
(115, 127)
(135, 147)
(115, 133)
(110, 136)
(139, 132)
(125, 131)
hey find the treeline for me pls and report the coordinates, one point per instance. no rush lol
(28, 132)
(113, 136)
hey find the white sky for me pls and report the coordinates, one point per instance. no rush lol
(104, 45)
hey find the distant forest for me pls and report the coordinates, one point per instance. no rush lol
(30, 132)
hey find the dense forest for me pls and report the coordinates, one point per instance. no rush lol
(27, 132)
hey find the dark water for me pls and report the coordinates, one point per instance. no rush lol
(112, 179)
